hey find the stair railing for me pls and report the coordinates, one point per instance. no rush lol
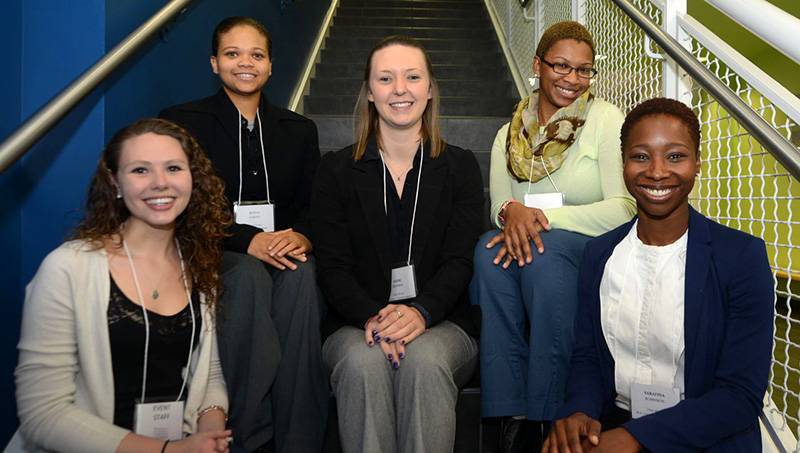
(33, 129)
(750, 134)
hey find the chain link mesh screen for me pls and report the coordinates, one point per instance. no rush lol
(741, 185)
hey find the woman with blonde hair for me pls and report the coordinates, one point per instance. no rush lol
(395, 217)
(118, 349)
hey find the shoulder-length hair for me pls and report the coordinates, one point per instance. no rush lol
(199, 229)
(366, 116)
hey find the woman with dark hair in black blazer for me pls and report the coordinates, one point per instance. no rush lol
(267, 157)
(395, 217)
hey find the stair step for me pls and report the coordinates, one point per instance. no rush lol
(447, 87)
(472, 24)
(409, 11)
(379, 31)
(450, 105)
(475, 133)
(356, 41)
(442, 71)
(489, 58)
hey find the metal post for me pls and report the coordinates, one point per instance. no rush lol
(677, 84)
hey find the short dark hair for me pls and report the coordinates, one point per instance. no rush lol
(229, 22)
(567, 29)
(662, 106)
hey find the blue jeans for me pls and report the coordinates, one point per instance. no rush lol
(526, 374)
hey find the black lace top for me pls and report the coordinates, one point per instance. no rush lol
(167, 356)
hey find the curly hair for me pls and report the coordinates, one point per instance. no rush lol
(662, 106)
(366, 116)
(199, 229)
(228, 23)
(564, 30)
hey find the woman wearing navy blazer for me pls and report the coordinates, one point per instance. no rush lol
(708, 287)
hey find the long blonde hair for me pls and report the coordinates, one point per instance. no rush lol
(366, 116)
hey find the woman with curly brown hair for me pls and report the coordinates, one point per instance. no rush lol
(118, 349)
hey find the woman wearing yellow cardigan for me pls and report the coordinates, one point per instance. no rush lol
(555, 182)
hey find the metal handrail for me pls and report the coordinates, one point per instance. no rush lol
(762, 131)
(769, 24)
(22, 139)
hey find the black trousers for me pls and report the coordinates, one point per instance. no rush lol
(271, 355)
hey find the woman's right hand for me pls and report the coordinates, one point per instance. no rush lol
(203, 442)
(577, 433)
(523, 225)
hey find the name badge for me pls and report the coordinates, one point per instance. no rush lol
(544, 200)
(160, 420)
(648, 399)
(404, 283)
(260, 214)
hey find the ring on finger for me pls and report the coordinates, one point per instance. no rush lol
(399, 313)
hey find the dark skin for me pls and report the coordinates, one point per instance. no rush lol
(523, 224)
(661, 161)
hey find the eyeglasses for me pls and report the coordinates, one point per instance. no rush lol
(565, 69)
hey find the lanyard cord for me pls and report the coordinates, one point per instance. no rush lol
(416, 197)
(263, 155)
(530, 176)
(147, 323)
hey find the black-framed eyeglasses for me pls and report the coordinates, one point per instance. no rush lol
(565, 69)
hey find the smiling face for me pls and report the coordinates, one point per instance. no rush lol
(154, 179)
(660, 162)
(242, 61)
(557, 90)
(399, 86)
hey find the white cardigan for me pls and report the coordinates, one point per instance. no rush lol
(65, 382)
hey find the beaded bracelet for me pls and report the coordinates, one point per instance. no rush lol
(212, 408)
(501, 214)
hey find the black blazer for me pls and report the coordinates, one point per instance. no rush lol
(291, 147)
(352, 237)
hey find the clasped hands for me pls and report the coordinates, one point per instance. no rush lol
(522, 225)
(279, 248)
(580, 433)
(393, 328)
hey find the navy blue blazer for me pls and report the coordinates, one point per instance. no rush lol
(728, 327)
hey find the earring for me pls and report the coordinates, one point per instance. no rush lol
(119, 194)
(532, 80)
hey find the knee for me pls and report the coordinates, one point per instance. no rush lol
(307, 271)
(239, 268)
(483, 257)
(425, 367)
(359, 366)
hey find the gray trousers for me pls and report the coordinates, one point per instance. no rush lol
(411, 409)
(270, 351)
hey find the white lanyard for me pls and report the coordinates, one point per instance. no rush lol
(147, 323)
(530, 175)
(416, 196)
(263, 156)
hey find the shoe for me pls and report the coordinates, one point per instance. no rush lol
(515, 436)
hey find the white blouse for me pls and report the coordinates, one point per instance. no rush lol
(641, 312)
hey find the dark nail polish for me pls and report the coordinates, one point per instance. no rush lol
(388, 340)
(403, 342)
(395, 365)
(402, 356)
(370, 343)
(390, 357)
(377, 338)
(374, 332)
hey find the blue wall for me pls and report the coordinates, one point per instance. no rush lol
(50, 44)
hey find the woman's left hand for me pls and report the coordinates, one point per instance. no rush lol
(400, 324)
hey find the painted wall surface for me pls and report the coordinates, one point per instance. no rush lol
(10, 217)
(175, 68)
(51, 43)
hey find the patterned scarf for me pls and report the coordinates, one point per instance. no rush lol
(528, 150)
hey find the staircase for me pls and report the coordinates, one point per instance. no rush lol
(474, 81)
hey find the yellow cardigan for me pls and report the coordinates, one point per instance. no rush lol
(590, 177)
